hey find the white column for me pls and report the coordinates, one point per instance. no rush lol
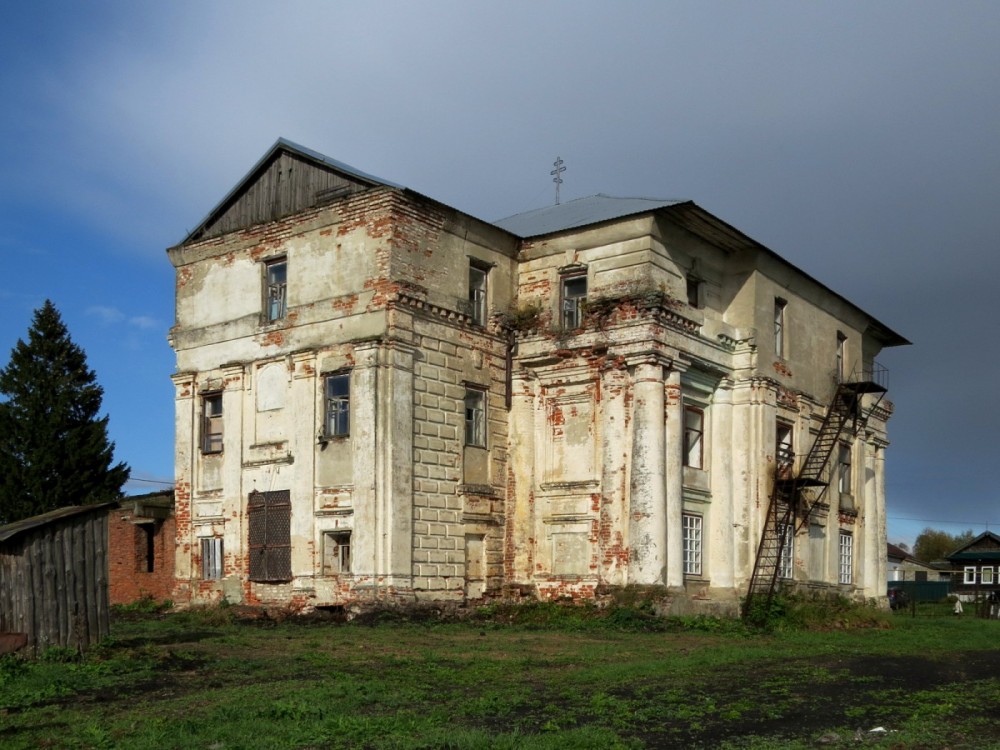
(365, 534)
(614, 498)
(674, 476)
(719, 451)
(185, 449)
(647, 520)
(396, 413)
(521, 521)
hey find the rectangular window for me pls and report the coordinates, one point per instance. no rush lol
(787, 556)
(270, 520)
(145, 549)
(841, 357)
(475, 417)
(844, 469)
(970, 575)
(784, 455)
(276, 289)
(336, 552)
(693, 291)
(846, 557)
(574, 294)
(779, 327)
(211, 424)
(338, 405)
(211, 558)
(691, 526)
(694, 432)
(477, 293)
(986, 576)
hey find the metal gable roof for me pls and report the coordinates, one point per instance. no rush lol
(578, 213)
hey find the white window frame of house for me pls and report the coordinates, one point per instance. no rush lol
(694, 437)
(841, 356)
(780, 328)
(986, 575)
(212, 560)
(211, 423)
(572, 296)
(846, 557)
(275, 289)
(478, 287)
(691, 525)
(786, 557)
(475, 417)
(844, 477)
(970, 575)
(336, 552)
(337, 404)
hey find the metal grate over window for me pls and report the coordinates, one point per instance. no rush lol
(270, 518)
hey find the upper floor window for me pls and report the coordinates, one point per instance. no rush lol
(475, 417)
(694, 433)
(693, 291)
(338, 405)
(275, 289)
(844, 469)
(573, 293)
(779, 327)
(841, 357)
(477, 292)
(784, 453)
(211, 423)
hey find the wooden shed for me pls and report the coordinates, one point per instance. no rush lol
(54, 577)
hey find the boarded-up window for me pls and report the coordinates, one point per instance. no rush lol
(270, 518)
(211, 558)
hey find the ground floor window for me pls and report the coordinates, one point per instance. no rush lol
(211, 558)
(787, 550)
(336, 552)
(970, 574)
(846, 557)
(691, 525)
(986, 576)
(270, 520)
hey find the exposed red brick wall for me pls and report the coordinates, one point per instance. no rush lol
(128, 578)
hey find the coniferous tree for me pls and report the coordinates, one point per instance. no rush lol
(54, 448)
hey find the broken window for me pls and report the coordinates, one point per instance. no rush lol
(574, 294)
(211, 425)
(338, 405)
(477, 293)
(276, 288)
(211, 558)
(784, 454)
(779, 327)
(691, 526)
(787, 555)
(841, 357)
(475, 417)
(336, 552)
(270, 515)
(846, 557)
(145, 549)
(694, 431)
(844, 469)
(693, 291)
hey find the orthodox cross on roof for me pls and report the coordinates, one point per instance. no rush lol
(557, 175)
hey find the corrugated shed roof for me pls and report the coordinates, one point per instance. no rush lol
(578, 213)
(27, 524)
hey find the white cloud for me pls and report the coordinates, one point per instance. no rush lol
(107, 315)
(144, 322)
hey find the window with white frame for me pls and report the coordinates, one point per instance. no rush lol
(477, 292)
(336, 552)
(694, 434)
(475, 417)
(780, 342)
(846, 557)
(338, 405)
(211, 423)
(844, 469)
(970, 574)
(211, 558)
(573, 294)
(275, 289)
(691, 525)
(787, 555)
(986, 576)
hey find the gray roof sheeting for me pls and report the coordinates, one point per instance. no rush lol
(579, 213)
(34, 522)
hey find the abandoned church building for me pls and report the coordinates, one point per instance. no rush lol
(379, 396)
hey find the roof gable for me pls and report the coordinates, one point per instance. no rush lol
(288, 178)
(984, 546)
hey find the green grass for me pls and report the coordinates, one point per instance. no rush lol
(540, 677)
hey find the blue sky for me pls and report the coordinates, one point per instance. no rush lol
(858, 140)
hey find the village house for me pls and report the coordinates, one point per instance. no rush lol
(379, 396)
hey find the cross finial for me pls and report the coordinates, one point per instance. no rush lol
(557, 175)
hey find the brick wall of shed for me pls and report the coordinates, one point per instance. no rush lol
(128, 578)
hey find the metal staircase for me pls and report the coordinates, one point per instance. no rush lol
(789, 509)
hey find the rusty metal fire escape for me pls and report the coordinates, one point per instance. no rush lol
(789, 508)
